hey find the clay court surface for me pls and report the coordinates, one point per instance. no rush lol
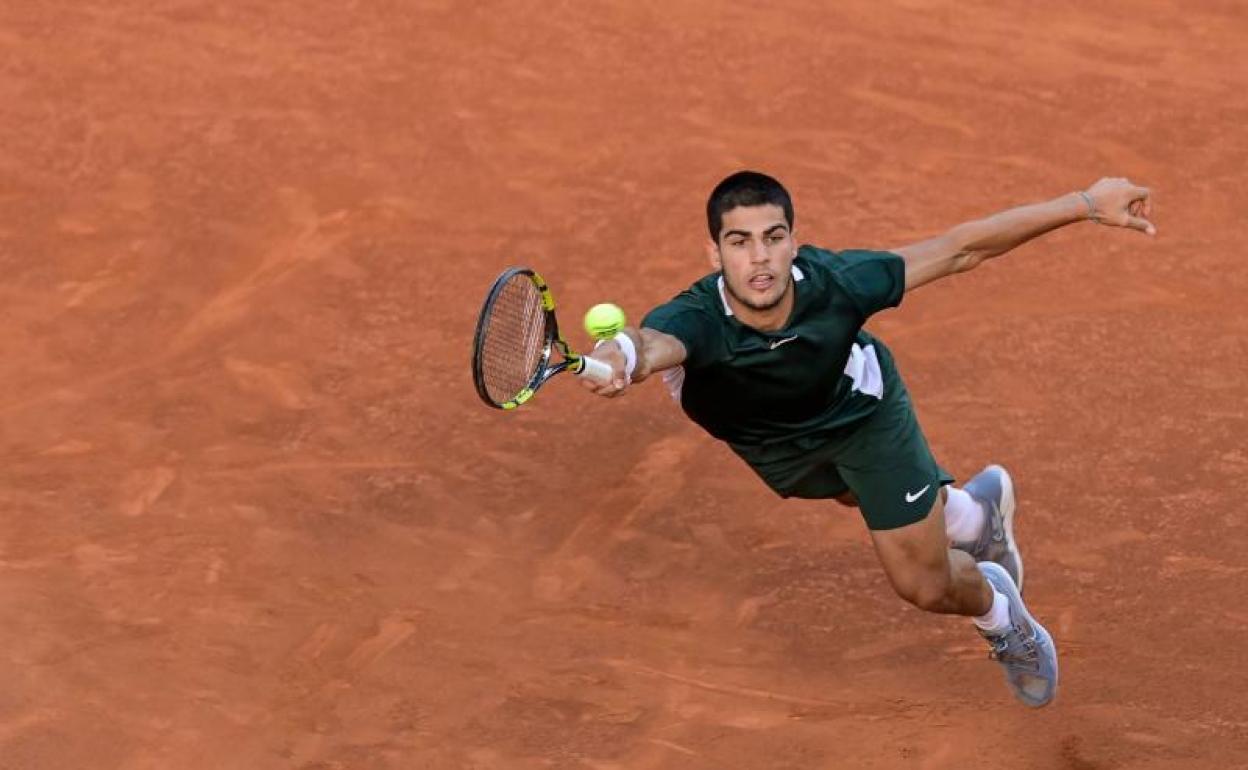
(255, 517)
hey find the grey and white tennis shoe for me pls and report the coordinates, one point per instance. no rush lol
(993, 488)
(1025, 650)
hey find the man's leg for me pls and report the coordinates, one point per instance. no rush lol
(979, 519)
(926, 572)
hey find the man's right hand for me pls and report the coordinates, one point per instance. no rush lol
(610, 354)
(656, 352)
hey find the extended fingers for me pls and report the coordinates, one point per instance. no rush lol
(609, 389)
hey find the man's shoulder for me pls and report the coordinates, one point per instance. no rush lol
(692, 307)
(705, 287)
(826, 265)
(840, 259)
(694, 317)
(702, 294)
(872, 278)
(818, 265)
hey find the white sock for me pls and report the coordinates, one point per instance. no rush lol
(997, 619)
(964, 516)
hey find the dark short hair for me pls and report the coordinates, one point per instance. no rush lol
(745, 188)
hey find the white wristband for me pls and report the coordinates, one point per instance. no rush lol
(630, 353)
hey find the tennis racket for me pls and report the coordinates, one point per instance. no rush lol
(517, 334)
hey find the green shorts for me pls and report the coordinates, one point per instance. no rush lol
(883, 459)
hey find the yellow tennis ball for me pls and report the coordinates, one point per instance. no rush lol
(604, 321)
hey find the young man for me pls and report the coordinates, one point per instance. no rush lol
(768, 354)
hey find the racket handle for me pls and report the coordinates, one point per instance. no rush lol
(596, 370)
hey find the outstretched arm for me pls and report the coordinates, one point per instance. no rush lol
(1110, 201)
(656, 351)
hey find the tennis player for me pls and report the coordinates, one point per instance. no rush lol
(768, 354)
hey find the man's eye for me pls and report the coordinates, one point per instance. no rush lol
(736, 244)
(776, 238)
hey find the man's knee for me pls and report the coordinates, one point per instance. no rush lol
(926, 590)
(916, 559)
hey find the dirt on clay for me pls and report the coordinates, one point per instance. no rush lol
(255, 517)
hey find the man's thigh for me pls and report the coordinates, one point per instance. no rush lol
(889, 467)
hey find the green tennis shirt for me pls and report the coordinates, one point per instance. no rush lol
(819, 372)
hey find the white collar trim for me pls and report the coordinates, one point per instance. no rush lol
(794, 270)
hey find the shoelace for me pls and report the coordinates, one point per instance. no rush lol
(1015, 649)
(996, 524)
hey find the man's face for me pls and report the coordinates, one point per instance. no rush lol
(755, 251)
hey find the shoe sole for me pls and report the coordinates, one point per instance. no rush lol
(1041, 631)
(1007, 516)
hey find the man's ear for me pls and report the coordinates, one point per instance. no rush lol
(712, 254)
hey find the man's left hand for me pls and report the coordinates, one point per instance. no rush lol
(1116, 201)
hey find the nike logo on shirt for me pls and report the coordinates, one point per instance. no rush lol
(777, 343)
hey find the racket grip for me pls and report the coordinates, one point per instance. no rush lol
(596, 370)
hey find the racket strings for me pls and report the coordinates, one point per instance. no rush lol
(515, 339)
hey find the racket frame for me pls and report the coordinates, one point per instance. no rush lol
(544, 370)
